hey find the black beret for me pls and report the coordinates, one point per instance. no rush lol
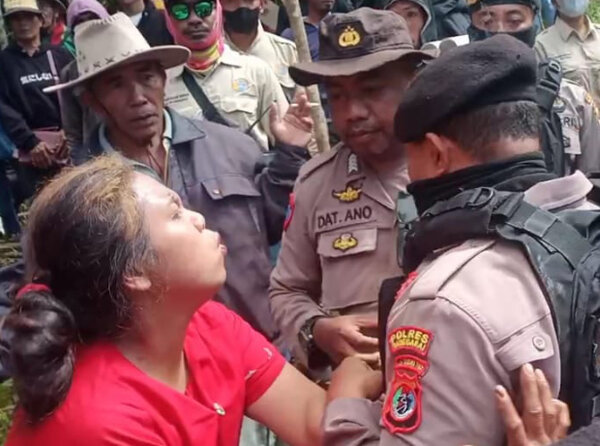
(492, 71)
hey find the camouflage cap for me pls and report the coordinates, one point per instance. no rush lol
(356, 42)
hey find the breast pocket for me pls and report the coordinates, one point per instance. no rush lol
(241, 109)
(342, 252)
(236, 202)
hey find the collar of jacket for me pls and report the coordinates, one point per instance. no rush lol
(185, 130)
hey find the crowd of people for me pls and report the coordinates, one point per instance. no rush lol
(193, 271)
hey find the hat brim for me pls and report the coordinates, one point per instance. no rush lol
(168, 56)
(23, 9)
(309, 73)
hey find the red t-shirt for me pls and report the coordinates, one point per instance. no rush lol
(111, 402)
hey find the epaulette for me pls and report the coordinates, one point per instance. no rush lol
(316, 162)
(282, 40)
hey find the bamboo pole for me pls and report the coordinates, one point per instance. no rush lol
(320, 124)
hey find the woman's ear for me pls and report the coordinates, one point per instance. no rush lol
(137, 283)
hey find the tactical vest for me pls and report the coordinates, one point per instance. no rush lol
(559, 249)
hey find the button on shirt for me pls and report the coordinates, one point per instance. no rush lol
(276, 51)
(113, 403)
(578, 54)
(241, 87)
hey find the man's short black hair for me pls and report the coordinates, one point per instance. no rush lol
(481, 132)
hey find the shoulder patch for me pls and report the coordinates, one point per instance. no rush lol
(409, 347)
(316, 162)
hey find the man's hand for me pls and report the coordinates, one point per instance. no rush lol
(343, 336)
(296, 126)
(544, 420)
(355, 379)
(41, 156)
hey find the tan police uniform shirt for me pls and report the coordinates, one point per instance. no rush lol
(339, 242)
(241, 87)
(466, 321)
(276, 51)
(578, 55)
(580, 126)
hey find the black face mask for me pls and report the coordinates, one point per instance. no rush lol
(527, 36)
(242, 20)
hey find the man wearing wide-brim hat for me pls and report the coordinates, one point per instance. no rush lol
(212, 167)
(27, 66)
(342, 229)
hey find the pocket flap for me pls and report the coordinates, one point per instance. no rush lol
(230, 185)
(347, 242)
(239, 103)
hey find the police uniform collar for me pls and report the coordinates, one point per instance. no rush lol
(565, 31)
(560, 192)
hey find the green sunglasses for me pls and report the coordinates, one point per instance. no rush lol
(182, 11)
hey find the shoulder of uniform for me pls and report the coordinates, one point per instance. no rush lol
(278, 40)
(317, 162)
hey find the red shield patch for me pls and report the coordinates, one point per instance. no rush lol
(289, 213)
(402, 409)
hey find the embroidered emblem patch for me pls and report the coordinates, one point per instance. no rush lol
(353, 164)
(413, 340)
(349, 37)
(407, 282)
(348, 195)
(289, 213)
(403, 404)
(345, 242)
(240, 85)
(402, 410)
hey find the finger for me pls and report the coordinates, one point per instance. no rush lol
(550, 409)
(366, 322)
(361, 342)
(563, 421)
(373, 359)
(515, 431)
(274, 117)
(533, 412)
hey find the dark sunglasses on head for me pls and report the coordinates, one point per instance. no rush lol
(182, 11)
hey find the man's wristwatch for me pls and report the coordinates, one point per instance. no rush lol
(317, 358)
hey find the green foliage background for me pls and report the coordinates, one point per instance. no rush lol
(595, 10)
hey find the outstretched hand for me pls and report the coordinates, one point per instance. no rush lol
(295, 128)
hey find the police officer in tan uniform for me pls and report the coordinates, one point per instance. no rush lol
(573, 105)
(241, 88)
(245, 34)
(473, 313)
(575, 42)
(339, 237)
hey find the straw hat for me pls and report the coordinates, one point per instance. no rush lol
(12, 6)
(112, 42)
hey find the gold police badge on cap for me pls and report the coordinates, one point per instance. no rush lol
(349, 37)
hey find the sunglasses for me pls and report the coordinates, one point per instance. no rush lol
(182, 11)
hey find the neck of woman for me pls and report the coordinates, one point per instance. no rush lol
(155, 345)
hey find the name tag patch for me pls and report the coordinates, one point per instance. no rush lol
(332, 219)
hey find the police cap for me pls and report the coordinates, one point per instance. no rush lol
(492, 71)
(476, 5)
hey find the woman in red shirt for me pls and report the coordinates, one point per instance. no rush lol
(118, 341)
